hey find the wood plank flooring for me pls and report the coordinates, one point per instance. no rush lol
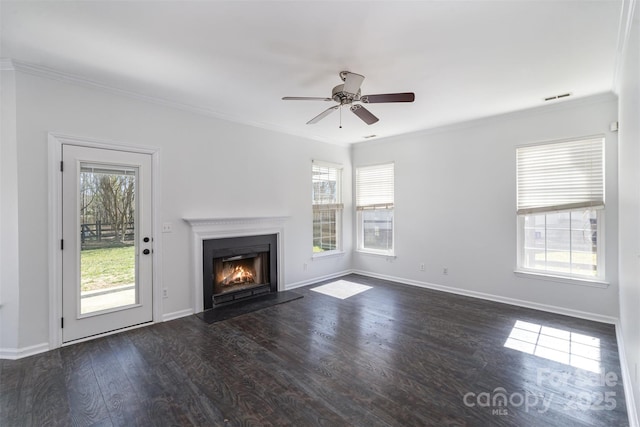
(395, 355)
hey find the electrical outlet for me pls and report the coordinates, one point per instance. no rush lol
(304, 266)
(165, 293)
(445, 271)
(422, 266)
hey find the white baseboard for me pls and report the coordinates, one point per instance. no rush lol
(495, 298)
(177, 314)
(19, 353)
(317, 280)
(627, 382)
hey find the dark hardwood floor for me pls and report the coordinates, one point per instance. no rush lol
(394, 355)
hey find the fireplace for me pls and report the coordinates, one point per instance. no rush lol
(236, 268)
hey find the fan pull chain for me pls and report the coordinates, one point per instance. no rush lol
(340, 116)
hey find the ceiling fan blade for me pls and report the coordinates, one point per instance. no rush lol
(322, 115)
(364, 114)
(352, 82)
(388, 97)
(304, 98)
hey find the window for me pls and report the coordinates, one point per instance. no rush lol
(327, 207)
(561, 208)
(374, 208)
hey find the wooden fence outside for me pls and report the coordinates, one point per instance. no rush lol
(103, 232)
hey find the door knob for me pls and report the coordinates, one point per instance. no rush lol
(146, 240)
(146, 251)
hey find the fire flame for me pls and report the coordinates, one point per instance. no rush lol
(236, 274)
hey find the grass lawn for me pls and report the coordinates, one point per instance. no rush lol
(107, 267)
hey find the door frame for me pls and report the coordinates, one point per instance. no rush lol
(55, 143)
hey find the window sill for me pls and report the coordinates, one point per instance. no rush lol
(594, 283)
(327, 254)
(380, 254)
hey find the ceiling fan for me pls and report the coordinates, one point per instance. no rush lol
(348, 93)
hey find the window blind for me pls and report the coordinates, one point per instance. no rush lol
(326, 186)
(560, 176)
(374, 187)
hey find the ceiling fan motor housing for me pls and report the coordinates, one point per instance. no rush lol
(340, 96)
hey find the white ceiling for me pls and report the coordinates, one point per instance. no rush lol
(237, 59)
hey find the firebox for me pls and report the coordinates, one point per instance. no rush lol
(238, 268)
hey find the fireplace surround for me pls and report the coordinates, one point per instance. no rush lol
(203, 229)
(235, 268)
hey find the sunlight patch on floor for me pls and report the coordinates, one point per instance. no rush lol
(342, 289)
(570, 348)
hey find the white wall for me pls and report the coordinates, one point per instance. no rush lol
(629, 191)
(9, 289)
(455, 198)
(455, 193)
(208, 168)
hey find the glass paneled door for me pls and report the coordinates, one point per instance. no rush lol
(107, 243)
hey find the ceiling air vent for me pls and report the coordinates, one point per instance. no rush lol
(551, 98)
(369, 136)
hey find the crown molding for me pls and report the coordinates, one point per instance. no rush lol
(8, 64)
(53, 74)
(50, 73)
(625, 25)
(498, 118)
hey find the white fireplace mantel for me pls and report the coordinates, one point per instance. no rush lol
(214, 223)
(218, 228)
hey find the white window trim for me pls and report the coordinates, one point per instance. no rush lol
(597, 281)
(328, 254)
(385, 255)
(339, 241)
(600, 279)
(534, 274)
(339, 215)
(390, 255)
(360, 238)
